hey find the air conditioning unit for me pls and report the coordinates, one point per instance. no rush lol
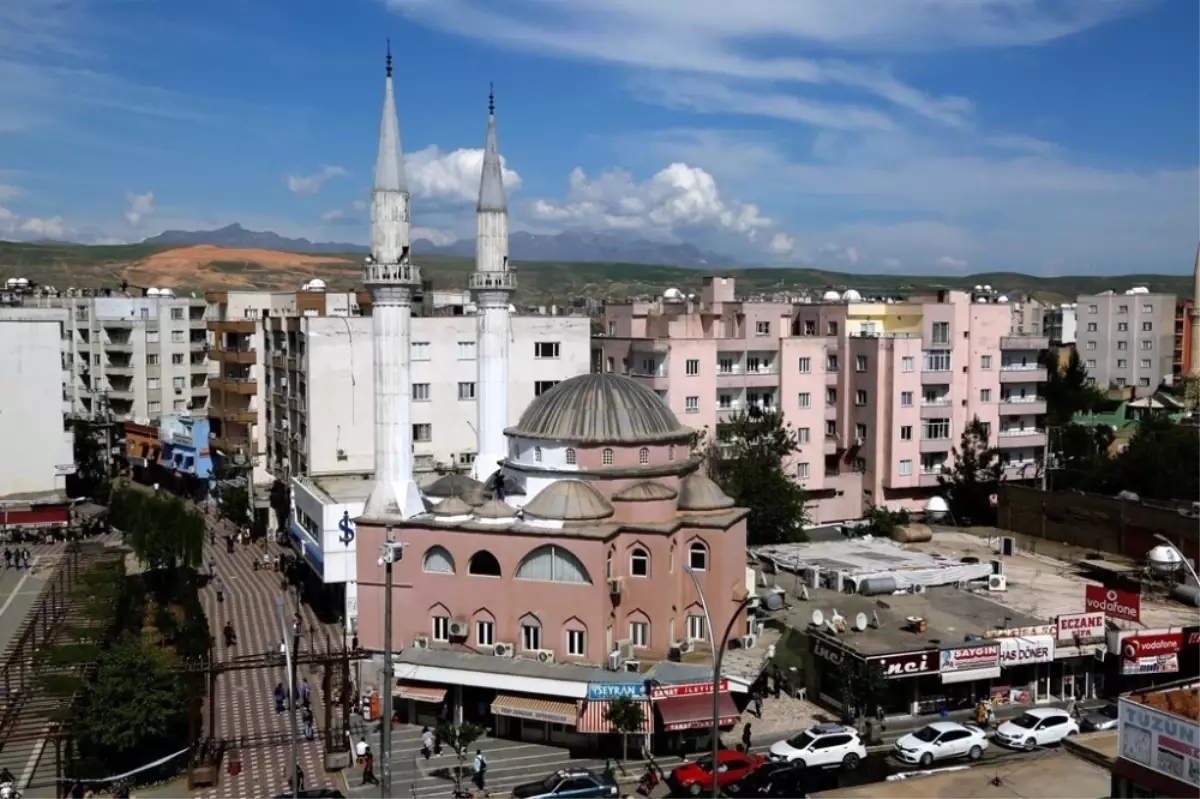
(614, 660)
(503, 650)
(749, 641)
(997, 582)
(625, 649)
(634, 666)
(458, 629)
(614, 585)
(545, 656)
(421, 642)
(1008, 546)
(917, 588)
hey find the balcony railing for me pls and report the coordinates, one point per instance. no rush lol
(1020, 367)
(1019, 432)
(1021, 400)
(935, 402)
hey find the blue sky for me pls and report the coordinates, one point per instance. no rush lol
(1047, 136)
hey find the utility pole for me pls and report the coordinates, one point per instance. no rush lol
(391, 552)
(289, 654)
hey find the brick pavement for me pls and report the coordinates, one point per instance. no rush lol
(245, 703)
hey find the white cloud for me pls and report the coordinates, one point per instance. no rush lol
(679, 197)
(451, 176)
(782, 244)
(952, 263)
(30, 228)
(439, 238)
(140, 207)
(333, 216)
(311, 184)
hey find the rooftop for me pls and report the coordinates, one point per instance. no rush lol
(600, 409)
(343, 488)
(859, 559)
(1182, 702)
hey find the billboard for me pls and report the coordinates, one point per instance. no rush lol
(1113, 603)
(1150, 653)
(1159, 741)
(1081, 626)
(1020, 651)
(964, 658)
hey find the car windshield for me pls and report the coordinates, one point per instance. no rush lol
(926, 735)
(1026, 721)
(801, 741)
(1109, 710)
(551, 782)
(705, 763)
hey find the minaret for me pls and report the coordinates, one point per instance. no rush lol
(1195, 320)
(390, 276)
(492, 286)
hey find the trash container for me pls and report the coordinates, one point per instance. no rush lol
(235, 762)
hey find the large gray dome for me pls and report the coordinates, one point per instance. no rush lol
(600, 409)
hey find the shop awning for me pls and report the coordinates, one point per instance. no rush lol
(527, 707)
(421, 692)
(696, 712)
(592, 717)
(970, 675)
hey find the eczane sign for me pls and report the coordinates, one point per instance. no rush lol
(1081, 626)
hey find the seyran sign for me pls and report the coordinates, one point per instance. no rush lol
(1115, 604)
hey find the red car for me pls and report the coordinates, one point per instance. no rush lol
(697, 778)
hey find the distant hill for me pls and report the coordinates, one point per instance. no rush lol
(581, 247)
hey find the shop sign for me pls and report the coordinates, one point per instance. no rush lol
(825, 651)
(1019, 651)
(690, 689)
(1082, 626)
(1159, 741)
(906, 664)
(1113, 602)
(606, 691)
(1022, 632)
(1136, 647)
(64, 468)
(984, 656)
(1191, 637)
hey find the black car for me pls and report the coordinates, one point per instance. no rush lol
(569, 784)
(782, 780)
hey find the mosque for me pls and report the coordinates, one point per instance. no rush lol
(564, 572)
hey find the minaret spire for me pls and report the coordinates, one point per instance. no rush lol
(491, 181)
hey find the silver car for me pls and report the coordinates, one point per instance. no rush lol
(1103, 719)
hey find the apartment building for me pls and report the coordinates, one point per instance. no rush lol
(1059, 323)
(877, 392)
(1182, 355)
(318, 406)
(1127, 341)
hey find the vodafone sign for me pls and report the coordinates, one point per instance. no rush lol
(1113, 603)
(1082, 626)
(1137, 647)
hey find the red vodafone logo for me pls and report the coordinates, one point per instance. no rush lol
(1151, 646)
(1113, 603)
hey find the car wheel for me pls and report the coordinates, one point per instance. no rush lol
(850, 762)
(926, 759)
(975, 753)
(694, 789)
(1030, 743)
(1072, 732)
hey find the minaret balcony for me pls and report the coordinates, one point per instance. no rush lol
(403, 274)
(492, 281)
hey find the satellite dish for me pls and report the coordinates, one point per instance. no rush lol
(860, 622)
(818, 618)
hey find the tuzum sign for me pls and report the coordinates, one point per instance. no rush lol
(1159, 741)
(906, 664)
(965, 658)
(1021, 651)
(1113, 603)
(1081, 626)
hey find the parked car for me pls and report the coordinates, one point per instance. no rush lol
(1103, 719)
(822, 746)
(782, 780)
(696, 778)
(1037, 727)
(568, 784)
(941, 740)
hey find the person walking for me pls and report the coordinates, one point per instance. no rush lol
(279, 695)
(305, 693)
(306, 717)
(229, 544)
(746, 737)
(758, 704)
(368, 767)
(8, 557)
(426, 742)
(212, 567)
(776, 679)
(219, 587)
(230, 636)
(479, 767)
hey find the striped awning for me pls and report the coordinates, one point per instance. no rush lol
(696, 712)
(532, 709)
(421, 692)
(591, 717)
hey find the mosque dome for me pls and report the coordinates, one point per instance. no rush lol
(456, 485)
(454, 506)
(495, 509)
(698, 492)
(600, 409)
(645, 491)
(569, 501)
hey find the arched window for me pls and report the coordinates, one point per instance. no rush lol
(698, 556)
(438, 560)
(607, 456)
(531, 632)
(643, 456)
(483, 564)
(553, 564)
(537, 454)
(608, 574)
(639, 563)
(570, 456)
(671, 452)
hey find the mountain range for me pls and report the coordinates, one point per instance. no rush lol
(522, 246)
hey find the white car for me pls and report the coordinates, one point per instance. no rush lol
(1037, 727)
(941, 740)
(822, 746)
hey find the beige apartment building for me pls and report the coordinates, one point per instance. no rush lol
(1127, 340)
(878, 393)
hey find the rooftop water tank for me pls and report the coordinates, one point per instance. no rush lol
(936, 507)
(1164, 559)
(831, 296)
(851, 296)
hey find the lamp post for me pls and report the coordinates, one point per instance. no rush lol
(718, 654)
(289, 660)
(1182, 557)
(390, 552)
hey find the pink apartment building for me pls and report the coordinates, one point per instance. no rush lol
(877, 392)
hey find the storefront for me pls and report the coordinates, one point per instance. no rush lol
(686, 714)
(592, 718)
(1143, 658)
(911, 687)
(1025, 665)
(1079, 651)
(967, 674)
(537, 720)
(420, 703)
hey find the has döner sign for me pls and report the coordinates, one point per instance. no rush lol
(1033, 649)
(1113, 602)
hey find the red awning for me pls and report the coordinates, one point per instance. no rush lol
(591, 718)
(695, 712)
(420, 692)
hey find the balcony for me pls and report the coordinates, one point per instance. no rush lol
(1022, 373)
(239, 326)
(198, 344)
(1022, 470)
(296, 403)
(240, 415)
(928, 478)
(247, 355)
(1014, 406)
(119, 345)
(653, 345)
(1021, 437)
(231, 444)
(233, 385)
(492, 281)
(198, 367)
(1036, 343)
(118, 324)
(936, 444)
(119, 368)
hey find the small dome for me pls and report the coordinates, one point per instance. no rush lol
(454, 485)
(645, 491)
(569, 501)
(697, 492)
(454, 506)
(673, 295)
(600, 409)
(851, 296)
(495, 509)
(831, 296)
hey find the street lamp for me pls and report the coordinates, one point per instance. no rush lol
(1182, 557)
(289, 662)
(718, 654)
(390, 552)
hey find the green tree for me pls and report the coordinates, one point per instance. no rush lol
(880, 522)
(1067, 390)
(233, 498)
(281, 503)
(91, 462)
(627, 717)
(460, 738)
(973, 477)
(164, 531)
(861, 688)
(748, 461)
(1159, 462)
(1084, 462)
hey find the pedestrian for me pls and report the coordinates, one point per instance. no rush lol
(219, 587)
(212, 567)
(299, 776)
(305, 693)
(368, 767)
(746, 737)
(479, 767)
(230, 635)
(776, 679)
(8, 555)
(306, 716)
(437, 740)
(426, 743)
(758, 703)
(279, 695)
(229, 544)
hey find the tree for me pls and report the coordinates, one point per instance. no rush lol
(626, 717)
(973, 477)
(748, 462)
(91, 464)
(1159, 462)
(880, 522)
(233, 498)
(162, 530)
(861, 687)
(1083, 457)
(281, 503)
(460, 738)
(1067, 390)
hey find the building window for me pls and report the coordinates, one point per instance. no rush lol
(762, 328)
(940, 333)
(1091, 363)
(1093, 309)
(831, 363)
(1144, 363)
(907, 363)
(906, 432)
(1122, 363)
(545, 349)
(936, 430)
(1121, 345)
(860, 397)
(177, 359)
(804, 435)
(985, 362)
(542, 386)
(697, 629)
(802, 471)
(440, 628)
(937, 361)
(643, 456)
(466, 350)
(831, 329)
(570, 456)
(419, 350)
(1091, 345)
(531, 635)
(691, 404)
(485, 633)
(177, 313)
(153, 384)
(860, 431)
(639, 634)
(576, 643)
(154, 406)
(180, 405)
(698, 556)
(805, 366)
(606, 457)
(1122, 309)
(905, 468)
(830, 428)
(639, 562)
(466, 391)
(1147, 344)
(422, 432)
(151, 359)
(553, 564)
(1147, 308)
(537, 454)
(858, 465)
(805, 399)
(906, 399)
(177, 337)
(1143, 381)
(420, 392)
(830, 397)
(1122, 327)
(692, 366)
(483, 564)
(1092, 327)
(725, 366)
(985, 395)
(860, 363)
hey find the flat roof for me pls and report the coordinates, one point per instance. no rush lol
(1050, 775)
(1181, 702)
(342, 488)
